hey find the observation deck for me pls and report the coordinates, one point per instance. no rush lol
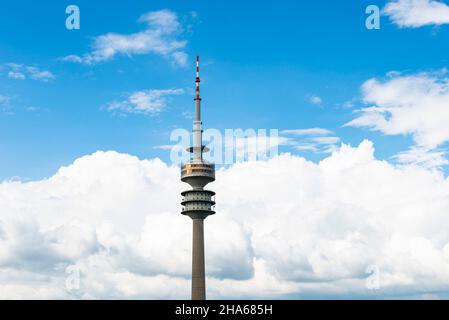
(198, 204)
(198, 173)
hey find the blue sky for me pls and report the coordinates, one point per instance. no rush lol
(261, 65)
(85, 113)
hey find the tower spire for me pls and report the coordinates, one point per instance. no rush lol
(197, 130)
(197, 81)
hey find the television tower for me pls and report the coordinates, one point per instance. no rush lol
(198, 203)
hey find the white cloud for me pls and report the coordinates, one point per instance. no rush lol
(168, 147)
(349, 104)
(37, 74)
(284, 227)
(417, 13)
(72, 58)
(326, 140)
(415, 105)
(144, 102)
(5, 104)
(160, 37)
(22, 72)
(165, 20)
(32, 109)
(423, 157)
(309, 131)
(411, 105)
(16, 75)
(317, 140)
(316, 100)
(4, 99)
(180, 58)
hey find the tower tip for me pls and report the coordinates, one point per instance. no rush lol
(197, 81)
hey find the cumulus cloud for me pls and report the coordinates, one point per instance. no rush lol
(414, 105)
(286, 227)
(75, 219)
(22, 72)
(417, 13)
(159, 37)
(144, 102)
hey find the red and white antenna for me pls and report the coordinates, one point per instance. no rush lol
(197, 131)
(197, 81)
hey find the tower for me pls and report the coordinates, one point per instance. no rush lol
(198, 203)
